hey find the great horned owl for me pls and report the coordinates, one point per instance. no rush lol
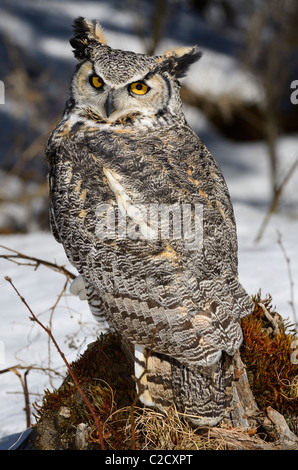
(144, 215)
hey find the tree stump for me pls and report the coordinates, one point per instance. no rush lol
(255, 421)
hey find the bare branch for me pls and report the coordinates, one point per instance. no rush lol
(73, 376)
(51, 319)
(270, 319)
(36, 262)
(275, 201)
(288, 261)
(25, 391)
(20, 367)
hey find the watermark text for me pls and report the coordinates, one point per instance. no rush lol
(152, 222)
(294, 94)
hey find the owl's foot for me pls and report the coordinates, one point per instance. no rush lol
(77, 287)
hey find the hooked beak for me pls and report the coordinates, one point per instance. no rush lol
(110, 106)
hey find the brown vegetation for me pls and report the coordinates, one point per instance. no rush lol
(106, 376)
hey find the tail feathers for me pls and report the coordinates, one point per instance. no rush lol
(202, 396)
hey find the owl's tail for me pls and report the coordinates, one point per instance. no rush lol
(202, 396)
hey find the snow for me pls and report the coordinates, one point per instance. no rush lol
(25, 342)
(245, 167)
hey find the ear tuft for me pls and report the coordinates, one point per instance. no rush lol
(85, 32)
(179, 60)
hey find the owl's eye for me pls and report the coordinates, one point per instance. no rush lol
(96, 81)
(139, 88)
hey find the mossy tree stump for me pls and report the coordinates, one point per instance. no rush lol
(265, 413)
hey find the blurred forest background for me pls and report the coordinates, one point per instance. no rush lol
(37, 63)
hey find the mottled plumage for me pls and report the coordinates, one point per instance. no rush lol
(123, 147)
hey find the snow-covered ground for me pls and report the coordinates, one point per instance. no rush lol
(25, 342)
(245, 167)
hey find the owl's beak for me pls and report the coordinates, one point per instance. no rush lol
(110, 105)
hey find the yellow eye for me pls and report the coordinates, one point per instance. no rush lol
(96, 81)
(139, 88)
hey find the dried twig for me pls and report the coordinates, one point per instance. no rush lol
(24, 384)
(20, 367)
(36, 262)
(275, 201)
(15, 369)
(270, 319)
(48, 331)
(51, 319)
(288, 261)
(17, 257)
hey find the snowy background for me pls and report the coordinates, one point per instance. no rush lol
(35, 35)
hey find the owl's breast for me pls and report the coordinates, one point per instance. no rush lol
(144, 188)
(152, 166)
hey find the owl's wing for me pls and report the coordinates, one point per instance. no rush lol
(179, 302)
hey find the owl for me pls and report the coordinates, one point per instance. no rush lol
(144, 215)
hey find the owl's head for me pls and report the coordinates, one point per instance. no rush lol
(111, 83)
